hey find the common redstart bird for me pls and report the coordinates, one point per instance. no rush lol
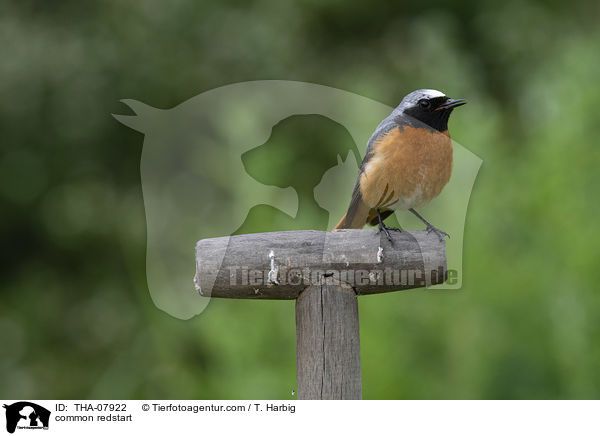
(407, 164)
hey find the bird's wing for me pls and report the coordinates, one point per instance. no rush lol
(358, 212)
(385, 127)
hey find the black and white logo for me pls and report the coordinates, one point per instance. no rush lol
(26, 415)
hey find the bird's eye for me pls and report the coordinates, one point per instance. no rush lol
(424, 103)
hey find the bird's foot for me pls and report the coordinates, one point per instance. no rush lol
(441, 234)
(430, 228)
(385, 229)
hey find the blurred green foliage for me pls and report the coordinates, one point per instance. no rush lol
(76, 319)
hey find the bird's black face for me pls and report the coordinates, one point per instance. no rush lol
(434, 111)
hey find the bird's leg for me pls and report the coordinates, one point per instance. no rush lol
(385, 229)
(430, 228)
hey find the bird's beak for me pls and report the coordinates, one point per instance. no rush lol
(451, 103)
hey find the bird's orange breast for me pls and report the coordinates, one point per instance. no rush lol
(409, 166)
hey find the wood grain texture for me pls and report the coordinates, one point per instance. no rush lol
(327, 344)
(280, 265)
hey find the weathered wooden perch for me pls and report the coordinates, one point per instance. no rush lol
(280, 265)
(324, 271)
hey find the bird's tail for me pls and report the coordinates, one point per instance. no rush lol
(341, 224)
(357, 222)
(356, 216)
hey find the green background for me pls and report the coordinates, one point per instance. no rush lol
(76, 318)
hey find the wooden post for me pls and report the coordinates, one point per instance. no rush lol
(324, 272)
(327, 344)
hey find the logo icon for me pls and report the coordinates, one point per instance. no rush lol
(26, 415)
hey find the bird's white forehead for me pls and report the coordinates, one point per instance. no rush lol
(417, 95)
(431, 93)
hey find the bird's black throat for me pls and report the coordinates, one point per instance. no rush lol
(436, 119)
